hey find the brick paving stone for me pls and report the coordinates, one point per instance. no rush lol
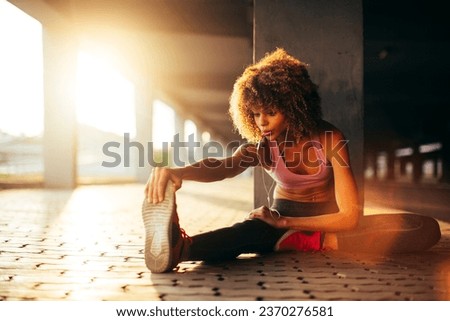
(29, 292)
(87, 244)
(147, 294)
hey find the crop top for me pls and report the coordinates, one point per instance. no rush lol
(286, 179)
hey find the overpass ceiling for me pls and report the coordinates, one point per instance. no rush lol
(193, 50)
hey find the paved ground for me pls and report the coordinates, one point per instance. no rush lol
(87, 244)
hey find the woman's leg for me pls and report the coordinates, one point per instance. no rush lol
(391, 233)
(250, 236)
(166, 243)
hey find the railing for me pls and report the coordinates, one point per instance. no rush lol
(416, 164)
(20, 156)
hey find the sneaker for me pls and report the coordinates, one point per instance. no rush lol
(294, 240)
(165, 242)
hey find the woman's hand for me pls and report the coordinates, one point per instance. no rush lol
(269, 216)
(157, 183)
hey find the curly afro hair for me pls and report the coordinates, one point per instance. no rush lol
(281, 82)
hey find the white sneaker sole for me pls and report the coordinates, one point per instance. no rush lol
(158, 232)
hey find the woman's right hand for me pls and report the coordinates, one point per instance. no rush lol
(271, 217)
(157, 183)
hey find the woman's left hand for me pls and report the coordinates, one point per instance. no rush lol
(269, 216)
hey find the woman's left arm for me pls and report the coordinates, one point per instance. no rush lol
(346, 194)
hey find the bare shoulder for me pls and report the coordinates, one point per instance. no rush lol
(328, 133)
(334, 144)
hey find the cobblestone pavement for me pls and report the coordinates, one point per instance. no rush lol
(87, 244)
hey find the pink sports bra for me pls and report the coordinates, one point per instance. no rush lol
(289, 180)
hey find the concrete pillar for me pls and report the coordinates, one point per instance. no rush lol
(199, 139)
(180, 157)
(60, 124)
(445, 154)
(435, 160)
(179, 126)
(371, 161)
(391, 163)
(403, 162)
(144, 127)
(328, 35)
(417, 164)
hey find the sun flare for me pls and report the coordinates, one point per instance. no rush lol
(105, 99)
(21, 84)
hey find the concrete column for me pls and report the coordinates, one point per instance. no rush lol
(390, 163)
(60, 124)
(328, 35)
(417, 164)
(371, 161)
(144, 127)
(179, 126)
(403, 162)
(180, 154)
(199, 139)
(445, 154)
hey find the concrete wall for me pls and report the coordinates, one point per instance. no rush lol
(328, 35)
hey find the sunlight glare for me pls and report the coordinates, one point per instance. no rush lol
(105, 99)
(163, 123)
(21, 76)
(190, 129)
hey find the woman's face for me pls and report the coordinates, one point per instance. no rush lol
(270, 121)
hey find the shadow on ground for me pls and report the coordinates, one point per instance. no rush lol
(312, 276)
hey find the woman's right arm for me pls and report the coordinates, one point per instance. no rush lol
(206, 170)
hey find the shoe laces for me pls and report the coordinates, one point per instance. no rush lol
(184, 236)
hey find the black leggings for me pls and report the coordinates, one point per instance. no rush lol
(381, 234)
(391, 233)
(251, 236)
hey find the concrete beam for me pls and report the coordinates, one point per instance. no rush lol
(42, 11)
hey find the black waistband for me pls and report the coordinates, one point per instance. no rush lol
(302, 209)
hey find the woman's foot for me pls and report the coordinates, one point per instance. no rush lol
(166, 244)
(294, 240)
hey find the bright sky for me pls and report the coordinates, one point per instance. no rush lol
(189, 129)
(105, 99)
(164, 124)
(21, 90)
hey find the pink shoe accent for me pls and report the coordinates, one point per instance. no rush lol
(299, 241)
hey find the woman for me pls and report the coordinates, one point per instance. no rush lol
(276, 107)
